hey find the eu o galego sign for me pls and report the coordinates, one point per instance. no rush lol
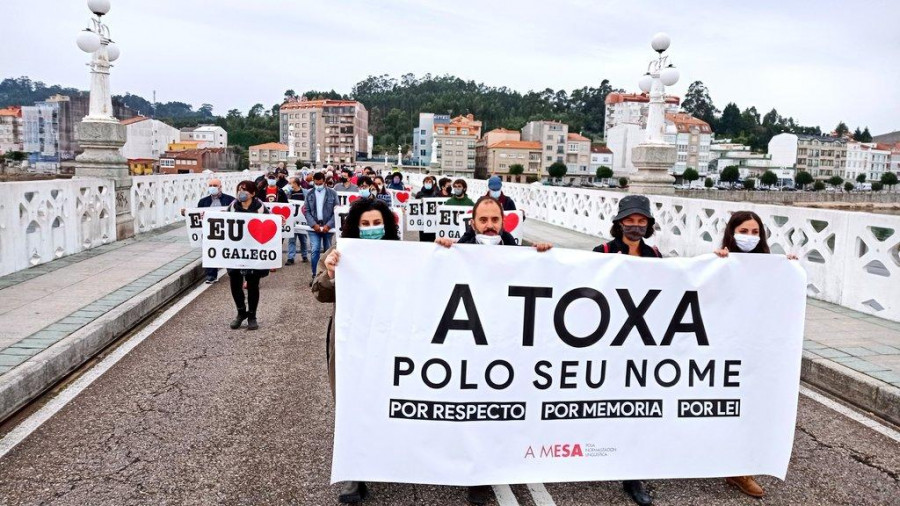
(241, 240)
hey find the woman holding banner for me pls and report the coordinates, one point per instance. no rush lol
(367, 219)
(631, 225)
(246, 202)
(745, 233)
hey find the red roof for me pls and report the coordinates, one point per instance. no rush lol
(271, 145)
(615, 98)
(131, 121)
(683, 122)
(14, 111)
(600, 149)
(577, 137)
(313, 104)
(532, 145)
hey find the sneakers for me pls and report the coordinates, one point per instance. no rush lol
(747, 485)
(479, 495)
(210, 281)
(289, 262)
(353, 492)
(238, 320)
(304, 260)
(637, 492)
(251, 323)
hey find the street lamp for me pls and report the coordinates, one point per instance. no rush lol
(660, 73)
(96, 41)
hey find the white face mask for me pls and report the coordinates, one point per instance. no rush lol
(491, 240)
(212, 190)
(746, 243)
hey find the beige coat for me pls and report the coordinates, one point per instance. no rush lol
(323, 290)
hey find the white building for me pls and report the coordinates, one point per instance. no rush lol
(209, 136)
(621, 140)
(601, 156)
(632, 108)
(867, 158)
(147, 138)
(423, 136)
(783, 148)
(750, 164)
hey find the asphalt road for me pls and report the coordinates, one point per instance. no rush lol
(201, 414)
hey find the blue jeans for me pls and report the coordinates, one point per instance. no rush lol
(317, 243)
(292, 246)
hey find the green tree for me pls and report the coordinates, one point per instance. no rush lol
(835, 181)
(290, 93)
(604, 172)
(516, 169)
(866, 136)
(623, 182)
(729, 123)
(889, 179)
(877, 186)
(804, 178)
(708, 182)
(818, 186)
(841, 129)
(769, 178)
(557, 170)
(16, 156)
(857, 135)
(690, 175)
(730, 174)
(861, 178)
(848, 186)
(749, 183)
(697, 103)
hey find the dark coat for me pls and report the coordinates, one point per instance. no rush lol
(207, 201)
(505, 202)
(257, 207)
(619, 246)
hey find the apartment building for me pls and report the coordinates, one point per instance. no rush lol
(264, 156)
(423, 135)
(632, 108)
(553, 137)
(10, 129)
(692, 138)
(326, 130)
(821, 156)
(456, 145)
(147, 138)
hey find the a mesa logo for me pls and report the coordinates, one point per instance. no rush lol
(555, 451)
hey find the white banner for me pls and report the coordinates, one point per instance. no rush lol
(512, 223)
(193, 220)
(400, 198)
(513, 366)
(241, 240)
(450, 221)
(340, 214)
(421, 215)
(289, 214)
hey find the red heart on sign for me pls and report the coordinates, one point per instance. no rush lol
(352, 198)
(262, 231)
(282, 210)
(510, 222)
(402, 197)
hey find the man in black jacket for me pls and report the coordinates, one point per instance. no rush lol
(214, 198)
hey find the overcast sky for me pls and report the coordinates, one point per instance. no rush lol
(818, 61)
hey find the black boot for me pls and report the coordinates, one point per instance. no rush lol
(239, 319)
(353, 492)
(480, 494)
(637, 491)
(251, 322)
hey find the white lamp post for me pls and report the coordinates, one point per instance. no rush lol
(100, 134)
(654, 157)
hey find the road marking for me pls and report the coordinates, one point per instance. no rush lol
(540, 495)
(30, 424)
(849, 413)
(505, 496)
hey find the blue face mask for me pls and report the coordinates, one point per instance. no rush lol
(375, 232)
(271, 182)
(365, 193)
(428, 186)
(320, 187)
(243, 196)
(495, 194)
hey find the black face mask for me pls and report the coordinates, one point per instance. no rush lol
(634, 232)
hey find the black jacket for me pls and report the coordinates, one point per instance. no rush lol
(506, 238)
(257, 207)
(507, 203)
(619, 246)
(425, 194)
(207, 201)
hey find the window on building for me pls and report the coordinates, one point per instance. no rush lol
(549, 158)
(452, 131)
(422, 142)
(459, 163)
(423, 131)
(422, 152)
(464, 131)
(459, 153)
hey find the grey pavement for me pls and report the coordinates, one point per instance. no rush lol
(200, 414)
(835, 335)
(42, 305)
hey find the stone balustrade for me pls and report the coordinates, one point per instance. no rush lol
(851, 258)
(44, 220)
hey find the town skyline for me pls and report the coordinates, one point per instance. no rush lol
(796, 67)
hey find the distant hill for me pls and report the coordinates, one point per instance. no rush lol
(891, 138)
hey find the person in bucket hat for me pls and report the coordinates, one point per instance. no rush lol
(631, 225)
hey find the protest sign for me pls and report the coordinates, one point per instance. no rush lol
(450, 221)
(422, 214)
(512, 223)
(241, 240)
(286, 211)
(193, 219)
(513, 366)
(346, 198)
(400, 198)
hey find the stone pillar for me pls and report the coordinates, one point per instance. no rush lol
(101, 141)
(653, 162)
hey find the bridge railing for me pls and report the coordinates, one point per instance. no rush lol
(851, 258)
(45, 220)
